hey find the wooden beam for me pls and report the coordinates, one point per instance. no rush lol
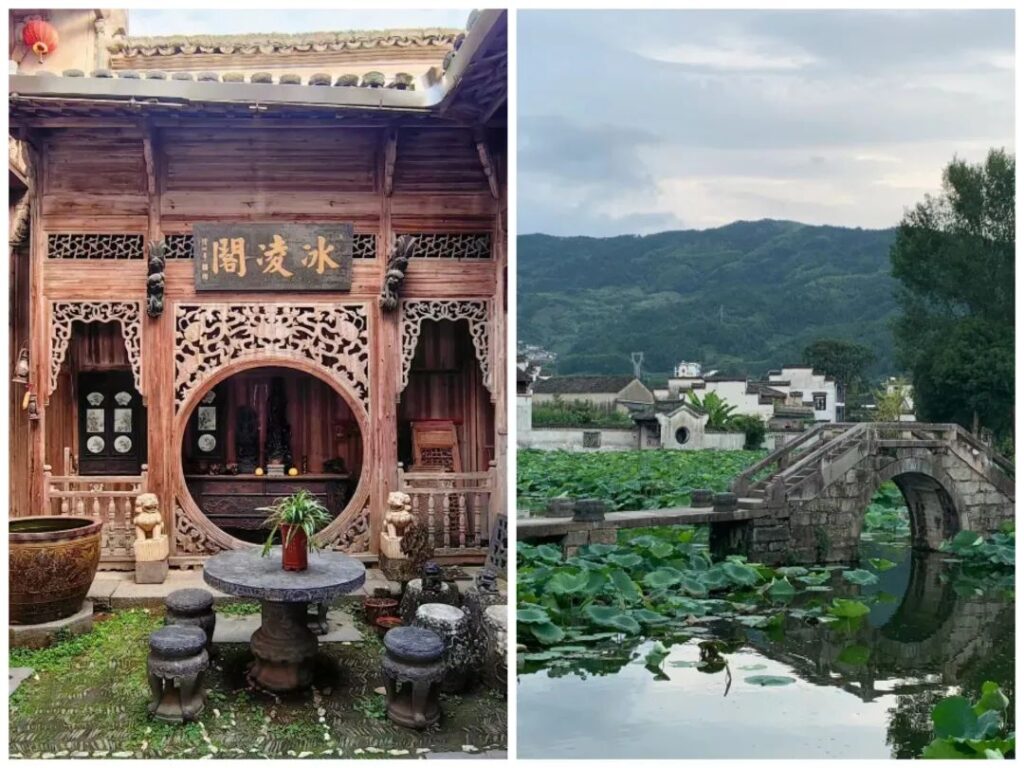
(390, 156)
(486, 161)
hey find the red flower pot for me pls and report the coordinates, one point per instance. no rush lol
(386, 623)
(294, 548)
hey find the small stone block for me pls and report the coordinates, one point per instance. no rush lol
(177, 641)
(128, 74)
(181, 76)
(156, 74)
(16, 676)
(604, 536)
(290, 79)
(414, 644)
(104, 73)
(233, 77)
(589, 509)
(725, 502)
(43, 635)
(347, 80)
(190, 602)
(261, 77)
(319, 78)
(73, 73)
(151, 572)
(208, 77)
(560, 508)
(701, 497)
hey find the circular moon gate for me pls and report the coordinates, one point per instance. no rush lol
(216, 537)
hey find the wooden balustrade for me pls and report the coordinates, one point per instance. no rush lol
(108, 499)
(455, 507)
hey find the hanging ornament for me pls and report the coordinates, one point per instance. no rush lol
(41, 37)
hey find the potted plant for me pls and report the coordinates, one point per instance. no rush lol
(298, 517)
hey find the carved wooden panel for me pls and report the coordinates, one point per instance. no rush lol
(64, 313)
(209, 336)
(356, 537)
(475, 311)
(189, 538)
(364, 246)
(80, 245)
(452, 245)
(178, 246)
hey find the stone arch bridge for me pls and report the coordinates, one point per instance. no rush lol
(805, 501)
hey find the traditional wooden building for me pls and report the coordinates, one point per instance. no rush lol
(243, 266)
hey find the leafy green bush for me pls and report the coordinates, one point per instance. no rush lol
(753, 427)
(578, 413)
(964, 731)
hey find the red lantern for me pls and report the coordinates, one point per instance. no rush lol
(40, 36)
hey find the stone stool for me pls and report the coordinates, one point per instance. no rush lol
(177, 661)
(452, 626)
(496, 638)
(413, 667)
(428, 589)
(479, 597)
(193, 608)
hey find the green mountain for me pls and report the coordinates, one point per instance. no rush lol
(743, 298)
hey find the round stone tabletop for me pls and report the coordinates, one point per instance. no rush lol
(243, 572)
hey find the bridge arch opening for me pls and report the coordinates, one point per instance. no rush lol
(930, 501)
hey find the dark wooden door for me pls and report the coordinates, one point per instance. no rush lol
(111, 424)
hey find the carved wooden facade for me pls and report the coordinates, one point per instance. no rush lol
(93, 221)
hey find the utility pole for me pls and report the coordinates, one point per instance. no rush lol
(638, 362)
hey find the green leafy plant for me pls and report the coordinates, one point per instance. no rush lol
(720, 413)
(972, 731)
(373, 707)
(301, 511)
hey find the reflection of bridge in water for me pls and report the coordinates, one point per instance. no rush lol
(931, 640)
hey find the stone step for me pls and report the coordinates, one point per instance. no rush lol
(750, 502)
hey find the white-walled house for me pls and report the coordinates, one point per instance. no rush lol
(815, 390)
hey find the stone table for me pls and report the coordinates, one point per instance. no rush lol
(283, 647)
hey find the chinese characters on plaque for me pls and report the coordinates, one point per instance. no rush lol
(272, 257)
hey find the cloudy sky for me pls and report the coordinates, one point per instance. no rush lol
(144, 22)
(636, 122)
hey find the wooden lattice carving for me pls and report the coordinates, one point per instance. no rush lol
(64, 313)
(86, 245)
(475, 311)
(209, 336)
(452, 245)
(189, 539)
(178, 246)
(355, 538)
(364, 246)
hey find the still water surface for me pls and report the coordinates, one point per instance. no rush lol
(859, 692)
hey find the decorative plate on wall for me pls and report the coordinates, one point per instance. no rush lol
(95, 444)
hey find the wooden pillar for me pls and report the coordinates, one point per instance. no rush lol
(158, 357)
(386, 368)
(39, 342)
(499, 353)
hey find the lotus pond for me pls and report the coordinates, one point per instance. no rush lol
(649, 649)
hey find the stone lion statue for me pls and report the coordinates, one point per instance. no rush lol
(399, 515)
(148, 521)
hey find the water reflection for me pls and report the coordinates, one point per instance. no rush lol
(863, 688)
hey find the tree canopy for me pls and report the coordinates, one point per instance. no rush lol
(845, 361)
(954, 259)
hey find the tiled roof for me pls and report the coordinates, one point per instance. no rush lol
(469, 86)
(401, 81)
(760, 388)
(559, 385)
(177, 45)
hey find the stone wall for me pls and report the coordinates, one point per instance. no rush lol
(574, 439)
